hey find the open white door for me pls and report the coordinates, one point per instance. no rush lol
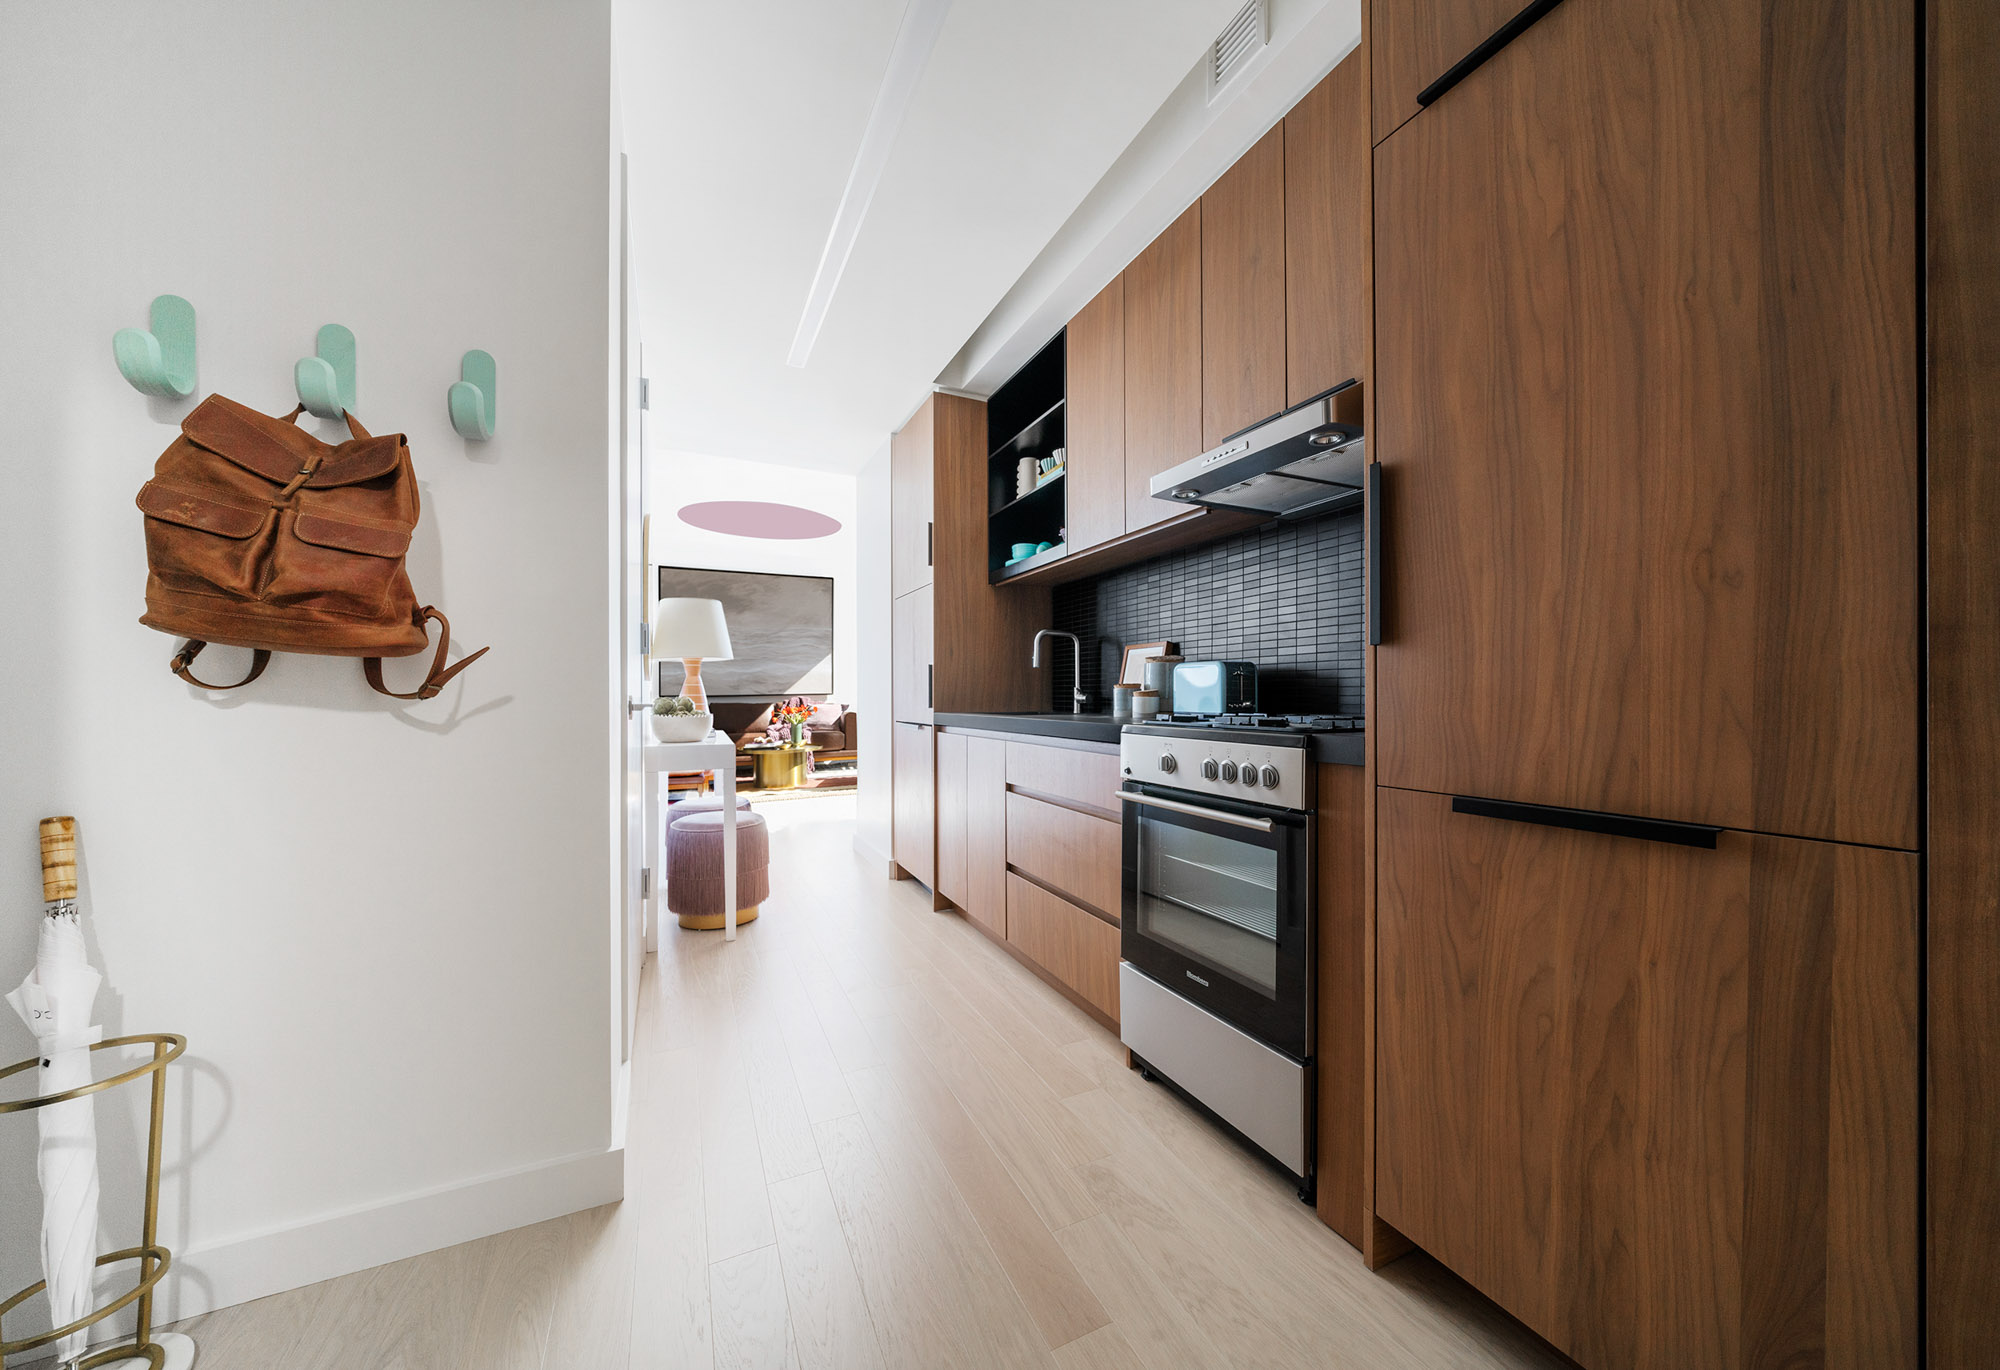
(635, 595)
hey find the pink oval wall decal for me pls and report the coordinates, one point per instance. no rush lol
(746, 518)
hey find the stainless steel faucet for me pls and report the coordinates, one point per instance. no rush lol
(1076, 695)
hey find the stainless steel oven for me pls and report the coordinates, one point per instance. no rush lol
(1216, 928)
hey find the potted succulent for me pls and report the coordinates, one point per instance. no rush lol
(678, 719)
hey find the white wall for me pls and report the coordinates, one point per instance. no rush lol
(872, 817)
(677, 479)
(384, 928)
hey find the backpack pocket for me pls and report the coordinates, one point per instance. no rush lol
(203, 545)
(337, 565)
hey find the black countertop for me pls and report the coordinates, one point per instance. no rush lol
(1339, 749)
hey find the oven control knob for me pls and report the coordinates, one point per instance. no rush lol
(1209, 770)
(1250, 774)
(1229, 772)
(1168, 764)
(1271, 777)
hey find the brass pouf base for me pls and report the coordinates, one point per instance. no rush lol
(709, 922)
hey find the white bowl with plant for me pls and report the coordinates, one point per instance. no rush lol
(679, 719)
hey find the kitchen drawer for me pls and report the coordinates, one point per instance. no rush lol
(1076, 947)
(1065, 773)
(1067, 850)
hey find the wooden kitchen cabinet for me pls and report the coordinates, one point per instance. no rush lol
(911, 640)
(913, 800)
(912, 536)
(1329, 251)
(1081, 776)
(1162, 365)
(1095, 406)
(1646, 408)
(1414, 42)
(1076, 947)
(1659, 1102)
(953, 817)
(985, 900)
(1243, 292)
(1068, 850)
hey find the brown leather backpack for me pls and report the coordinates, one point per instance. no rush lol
(259, 535)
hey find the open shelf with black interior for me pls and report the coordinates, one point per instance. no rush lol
(1024, 421)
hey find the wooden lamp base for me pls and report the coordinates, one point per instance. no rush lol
(691, 687)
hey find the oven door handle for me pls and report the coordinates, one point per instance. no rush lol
(1260, 824)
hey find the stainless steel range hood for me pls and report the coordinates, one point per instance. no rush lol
(1302, 462)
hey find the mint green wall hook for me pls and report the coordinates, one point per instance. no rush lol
(471, 397)
(159, 362)
(325, 381)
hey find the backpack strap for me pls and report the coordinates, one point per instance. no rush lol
(438, 676)
(184, 658)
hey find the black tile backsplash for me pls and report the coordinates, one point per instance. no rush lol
(1284, 595)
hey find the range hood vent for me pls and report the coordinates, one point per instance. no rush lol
(1299, 463)
(1233, 50)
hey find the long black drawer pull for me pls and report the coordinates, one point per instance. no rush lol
(1477, 58)
(1374, 535)
(1589, 820)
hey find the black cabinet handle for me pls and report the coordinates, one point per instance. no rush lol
(930, 544)
(1374, 536)
(1589, 820)
(1479, 56)
(930, 686)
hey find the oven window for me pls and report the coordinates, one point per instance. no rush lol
(1211, 898)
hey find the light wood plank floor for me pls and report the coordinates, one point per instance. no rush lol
(864, 1136)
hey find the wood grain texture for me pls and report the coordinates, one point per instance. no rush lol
(1071, 852)
(983, 632)
(1094, 420)
(986, 833)
(954, 817)
(1329, 233)
(1417, 41)
(831, 1326)
(1243, 291)
(1339, 838)
(1646, 406)
(913, 801)
(1078, 948)
(1962, 108)
(1163, 424)
(911, 637)
(1188, 529)
(1659, 1102)
(1072, 775)
(912, 455)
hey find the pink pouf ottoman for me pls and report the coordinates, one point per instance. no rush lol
(694, 867)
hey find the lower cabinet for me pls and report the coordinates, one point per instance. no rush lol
(1066, 849)
(914, 805)
(1078, 948)
(953, 800)
(1660, 1102)
(985, 901)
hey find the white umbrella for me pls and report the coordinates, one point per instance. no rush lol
(55, 1002)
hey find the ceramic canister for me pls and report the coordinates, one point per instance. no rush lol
(1024, 476)
(1159, 677)
(1121, 700)
(1145, 703)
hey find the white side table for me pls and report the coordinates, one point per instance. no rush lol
(714, 755)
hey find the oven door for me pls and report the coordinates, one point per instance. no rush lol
(1218, 908)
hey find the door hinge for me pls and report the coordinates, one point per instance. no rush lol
(645, 393)
(645, 882)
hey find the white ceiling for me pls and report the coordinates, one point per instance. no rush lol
(741, 124)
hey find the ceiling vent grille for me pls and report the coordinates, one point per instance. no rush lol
(1247, 35)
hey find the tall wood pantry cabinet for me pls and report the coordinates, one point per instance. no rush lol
(1646, 408)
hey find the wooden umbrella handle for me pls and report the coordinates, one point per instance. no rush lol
(58, 859)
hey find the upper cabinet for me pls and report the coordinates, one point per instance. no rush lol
(912, 537)
(1096, 403)
(1415, 42)
(1646, 408)
(1329, 272)
(1162, 365)
(1243, 293)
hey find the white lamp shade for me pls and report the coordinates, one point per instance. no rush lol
(684, 628)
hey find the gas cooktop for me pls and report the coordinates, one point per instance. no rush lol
(1294, 723)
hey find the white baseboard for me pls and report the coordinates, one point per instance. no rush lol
(870, 850)
(246, 1268)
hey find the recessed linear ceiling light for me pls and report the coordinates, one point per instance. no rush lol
(915, 38)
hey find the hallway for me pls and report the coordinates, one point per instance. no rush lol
(865, 1136)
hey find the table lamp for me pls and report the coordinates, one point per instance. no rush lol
(693, 631)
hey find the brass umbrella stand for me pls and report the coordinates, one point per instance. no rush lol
(153, 1258)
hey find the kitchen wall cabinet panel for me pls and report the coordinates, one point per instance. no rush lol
(1076, 947)
(1646, 409)
(1340, 851)
(1163, 336)
(913, 800)
(1073, 775)
(1067, 850)
(954, 801)
(1243, 292)
(1416, 41)
(911, 507)
(911, 635)
(1094, 406)
(1659, 1102)
(1329, 264)
(985, 900)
